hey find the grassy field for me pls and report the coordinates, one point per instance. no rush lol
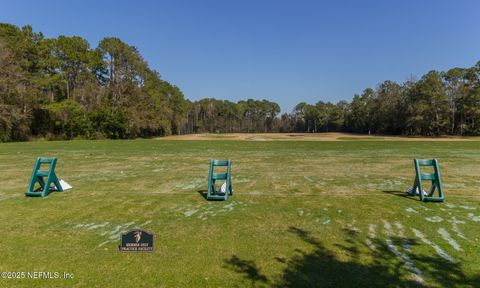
(304, 214)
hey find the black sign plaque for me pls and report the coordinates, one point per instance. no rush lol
(137, 241)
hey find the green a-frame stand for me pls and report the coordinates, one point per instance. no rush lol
(434, 177)
(212, 193)
(44, 178)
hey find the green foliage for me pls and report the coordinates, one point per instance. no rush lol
(13, 124)
(67, 118)
(217, 116)
(70, 90)
(109, 124)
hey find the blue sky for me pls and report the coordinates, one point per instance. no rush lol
(284, 51)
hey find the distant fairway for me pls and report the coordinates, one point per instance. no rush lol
(303, 214)
(329, 136)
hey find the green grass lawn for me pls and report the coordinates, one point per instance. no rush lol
(304, 214)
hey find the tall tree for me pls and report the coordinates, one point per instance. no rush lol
(13, 120)
(428, 110)
(76, 61)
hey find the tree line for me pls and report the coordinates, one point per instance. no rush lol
(439, 103)
(62, 88)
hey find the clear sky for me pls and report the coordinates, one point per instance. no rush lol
(284, 51)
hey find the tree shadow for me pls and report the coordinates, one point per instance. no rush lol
(389, 266)
(246, 267)
(386, 262)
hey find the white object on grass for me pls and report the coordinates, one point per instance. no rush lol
(65, 185)
(416, 192)
(223, 188)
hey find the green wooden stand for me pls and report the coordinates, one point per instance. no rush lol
(212, 193)
(44, 178)
(434, 177)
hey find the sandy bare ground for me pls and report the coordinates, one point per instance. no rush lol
(310, 137)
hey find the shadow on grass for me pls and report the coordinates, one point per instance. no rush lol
(246, 267)
(401, 194)
(322, 268)
(388, 264)
(203, 193)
